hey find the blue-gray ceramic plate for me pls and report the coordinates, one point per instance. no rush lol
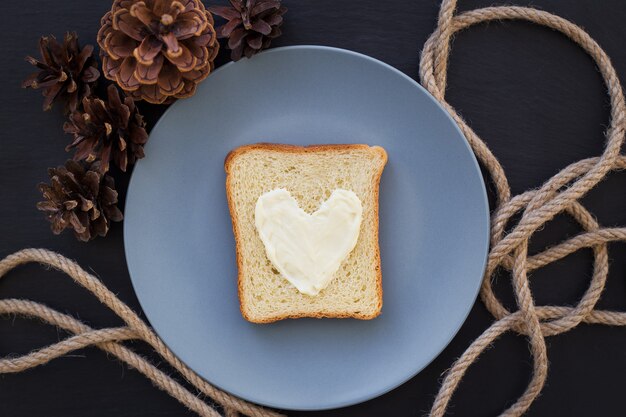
(433, 228)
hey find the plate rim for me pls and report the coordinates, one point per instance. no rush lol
(440, 348)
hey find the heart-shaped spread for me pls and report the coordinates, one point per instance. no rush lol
(307, 249)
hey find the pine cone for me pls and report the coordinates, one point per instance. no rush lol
(251, 25)
(111, 130)
(81, 199)
(66, 72)
(157, 50)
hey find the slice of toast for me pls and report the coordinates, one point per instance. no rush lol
(310, 174)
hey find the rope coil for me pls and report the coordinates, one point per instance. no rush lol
(109, 340)
(559, 194)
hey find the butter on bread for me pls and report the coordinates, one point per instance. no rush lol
(310, 174)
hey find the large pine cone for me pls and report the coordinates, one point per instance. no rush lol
(107, 130)
(66, 72)
(81, 199)
(157, 50)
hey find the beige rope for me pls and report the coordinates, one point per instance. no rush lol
(109, 339)
(559, 194)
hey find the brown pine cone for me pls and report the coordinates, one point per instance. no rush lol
(251, 25)
(67, 72)
(157, 50)
(81, 199)
(111, 130)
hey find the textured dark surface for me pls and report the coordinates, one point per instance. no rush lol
(534, 96)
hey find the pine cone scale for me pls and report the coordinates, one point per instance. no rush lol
(121, 143)
(35, 80)
(236, 38)
(149, 74)
(72, 87)
(77, 140)
(172, 49)
(201, 53)
(85, 204)
(119, 46)
(263, 6)
(83, 151)
(261, 27)
(109, 195)
(148, 50)
(275, 21)
(197, 75)
(51, 50)
(170, 81)
(225, 12)
(183, 60)
(121, 160)
(150, 93)
(113, 213)
(189, 25)
(90, 75)
(91, 180)
(126, 74)
(125, 22)
(140, 11)
(110, 67)
(84, 55)
(46, 205)
(226, 30)
(255, 42)
(80, 226)
(70, 205)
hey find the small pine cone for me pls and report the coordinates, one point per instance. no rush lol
(251, 25)
(81, 199)
(157, 50)
(66, 73)
(107, 130)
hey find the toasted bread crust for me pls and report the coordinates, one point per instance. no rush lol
(304, 149)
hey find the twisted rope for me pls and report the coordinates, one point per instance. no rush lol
(559, 194)
(109, 339)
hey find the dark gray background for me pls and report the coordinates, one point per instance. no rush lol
(534, 96)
